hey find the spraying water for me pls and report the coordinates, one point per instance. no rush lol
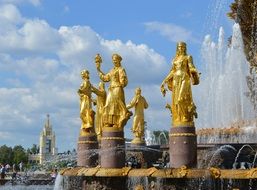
(150, 138)
(223, 87)
(58, 182)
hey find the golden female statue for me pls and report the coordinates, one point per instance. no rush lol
(86, 112)
(140, 104)
(179, 80)
(115, 113)
(100, 103)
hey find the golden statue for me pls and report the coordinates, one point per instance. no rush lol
(140, 104)
(100, 103)
(179, 79)
(86, 112)
(115, 113)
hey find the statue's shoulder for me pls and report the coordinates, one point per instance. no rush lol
(86, 83)
(122, 70)
(189, 57)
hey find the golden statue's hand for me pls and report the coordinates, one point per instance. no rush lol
(94, 102)
(98, 61)
(98, 65)
(163, 90)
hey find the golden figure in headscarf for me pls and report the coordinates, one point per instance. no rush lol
(100, 103)
(182, 74)
(140, 104)
(86, 111)
(115, 113)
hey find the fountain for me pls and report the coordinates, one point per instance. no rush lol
(226, 158)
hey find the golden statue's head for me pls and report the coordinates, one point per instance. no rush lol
(116, 59)
(181, 48)
(84, 74)
(138, 91)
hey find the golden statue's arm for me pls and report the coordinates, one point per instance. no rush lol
(132, 103)
(83, 90)
(102, 76)
(145, 104)
(123, 78)
(193, 72)
(97, 91)
(168, 81)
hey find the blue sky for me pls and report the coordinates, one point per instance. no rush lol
(44, 44)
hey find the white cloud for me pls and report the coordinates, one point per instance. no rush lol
(172, 32)
(45, 75)
(10, 13)
(21, 35)
(33, 2)
(37, 35)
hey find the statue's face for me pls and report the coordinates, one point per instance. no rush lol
(138, 91)
(116, 61)
(181, 49)
(85, 75)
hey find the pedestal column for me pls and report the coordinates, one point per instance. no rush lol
(87, 150)
(112, 151)
(183, 147)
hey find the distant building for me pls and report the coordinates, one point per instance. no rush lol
(47, 149)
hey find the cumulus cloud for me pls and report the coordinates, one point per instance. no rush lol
(40, 73)
(10, 13)
(34, 36)
(172, 32)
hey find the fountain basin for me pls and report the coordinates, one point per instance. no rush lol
(127, 178)
(182, 172)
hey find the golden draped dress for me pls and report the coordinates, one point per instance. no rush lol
(115, 111)
(179, 80)
(86, 111)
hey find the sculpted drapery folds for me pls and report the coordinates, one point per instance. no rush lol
(182, 74)
(115, 113)
(100, 103)
(140, 104)
(86, 111)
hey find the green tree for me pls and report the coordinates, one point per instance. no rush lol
(19, 154)
(34, 149)
(6, 155)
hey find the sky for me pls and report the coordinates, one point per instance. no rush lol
(44, 44)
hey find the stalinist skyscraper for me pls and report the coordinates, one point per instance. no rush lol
(47, 147)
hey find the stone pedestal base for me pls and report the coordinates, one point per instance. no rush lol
(137, 142)
(183, 147)
(112, 151)
(87, 150)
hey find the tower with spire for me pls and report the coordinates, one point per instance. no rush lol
(47, 147)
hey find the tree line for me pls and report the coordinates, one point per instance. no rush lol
(16, 154)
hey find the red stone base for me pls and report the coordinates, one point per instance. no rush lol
(87, 150)
(112, 151)
(183, 147)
